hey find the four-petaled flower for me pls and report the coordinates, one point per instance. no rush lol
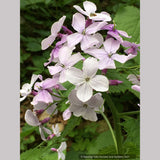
(87, 80)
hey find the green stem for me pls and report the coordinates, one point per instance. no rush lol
(116, 120)
(128, 113)
(110, 127)
(133, 67)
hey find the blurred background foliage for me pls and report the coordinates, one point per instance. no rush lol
(37, 16)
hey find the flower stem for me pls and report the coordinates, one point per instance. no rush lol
(128, 113)
(110, 127)
(116, 120)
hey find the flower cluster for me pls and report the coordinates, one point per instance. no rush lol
(96, 53)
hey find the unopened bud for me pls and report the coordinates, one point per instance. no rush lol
(115, 82)
(45, 120)
(54, 149)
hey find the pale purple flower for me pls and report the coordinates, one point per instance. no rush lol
(44, 88)
(27, 87)
(61, 155)
(135, 79)
(56, 27)
(112, 32)
(90, 11)
(66, 60)
(87, 80)
(83, 35)
(66, 114)
(85, 109)
(132, 47)
(56, 132)
(32, 120)
(108, 54)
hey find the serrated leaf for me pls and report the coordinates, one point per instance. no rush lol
(128, 20)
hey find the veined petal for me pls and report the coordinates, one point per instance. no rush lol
(49, 83)
(56, 27)
(84, 92)
(90, 67)
(111, 45)
(90, 115)
(73, 99)
(124, 34)
(31, 119)
(94, 27)
(99, 83)
(48, 41)
(88, 41)
(122, 58)
(74, 59)
(103, 16)
(66, 114)
(107, 63)
(62, 77)
(90, 7)
(64, 54)
(78, 22)
(74, 39)
(79, 9)
(75, 76)
(96, 101)
(54, 69)
(97, 53)
(115, 35)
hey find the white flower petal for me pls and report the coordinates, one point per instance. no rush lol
(90, 67)
(90, 7)
(31, 119)
(48, 41)
(78, 22)
(122, 58)
(90, 115)
(79, 9)
(84, 92)
(99, 83)
(74, 76)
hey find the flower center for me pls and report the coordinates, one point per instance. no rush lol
(93, 15)
(87, 79)
(110, 55)
(84, 31)
(85, 105)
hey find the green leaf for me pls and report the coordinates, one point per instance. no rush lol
(27, 132)
(33, 47)
(128, 20)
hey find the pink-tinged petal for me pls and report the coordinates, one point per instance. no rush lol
(103, 16)
(79, 9)
(84, 92)
(90, 115)
(97, 53)
(54, 69)
(77, 110)
(42, 96)
(124, 34)
(34, 78)
(75, 76)
(74, 39)
(107, 63)
(78, 22)
(62, 77)
(73, 99)
(64, 54)
(94, 27)
(51, 109)
(56, 27)
(31, 119)
(74, 59)
(88, 41)
(126, 44)
(62, 41)
(90, 67)
(96, 101)
(47, 41)
(99, 83)
(136, 88)
(66, 114)
(115, 35)
(47, 130)
(99, 37)
(122, 58)
(90, 7)
(49, 83)
(111, 45)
